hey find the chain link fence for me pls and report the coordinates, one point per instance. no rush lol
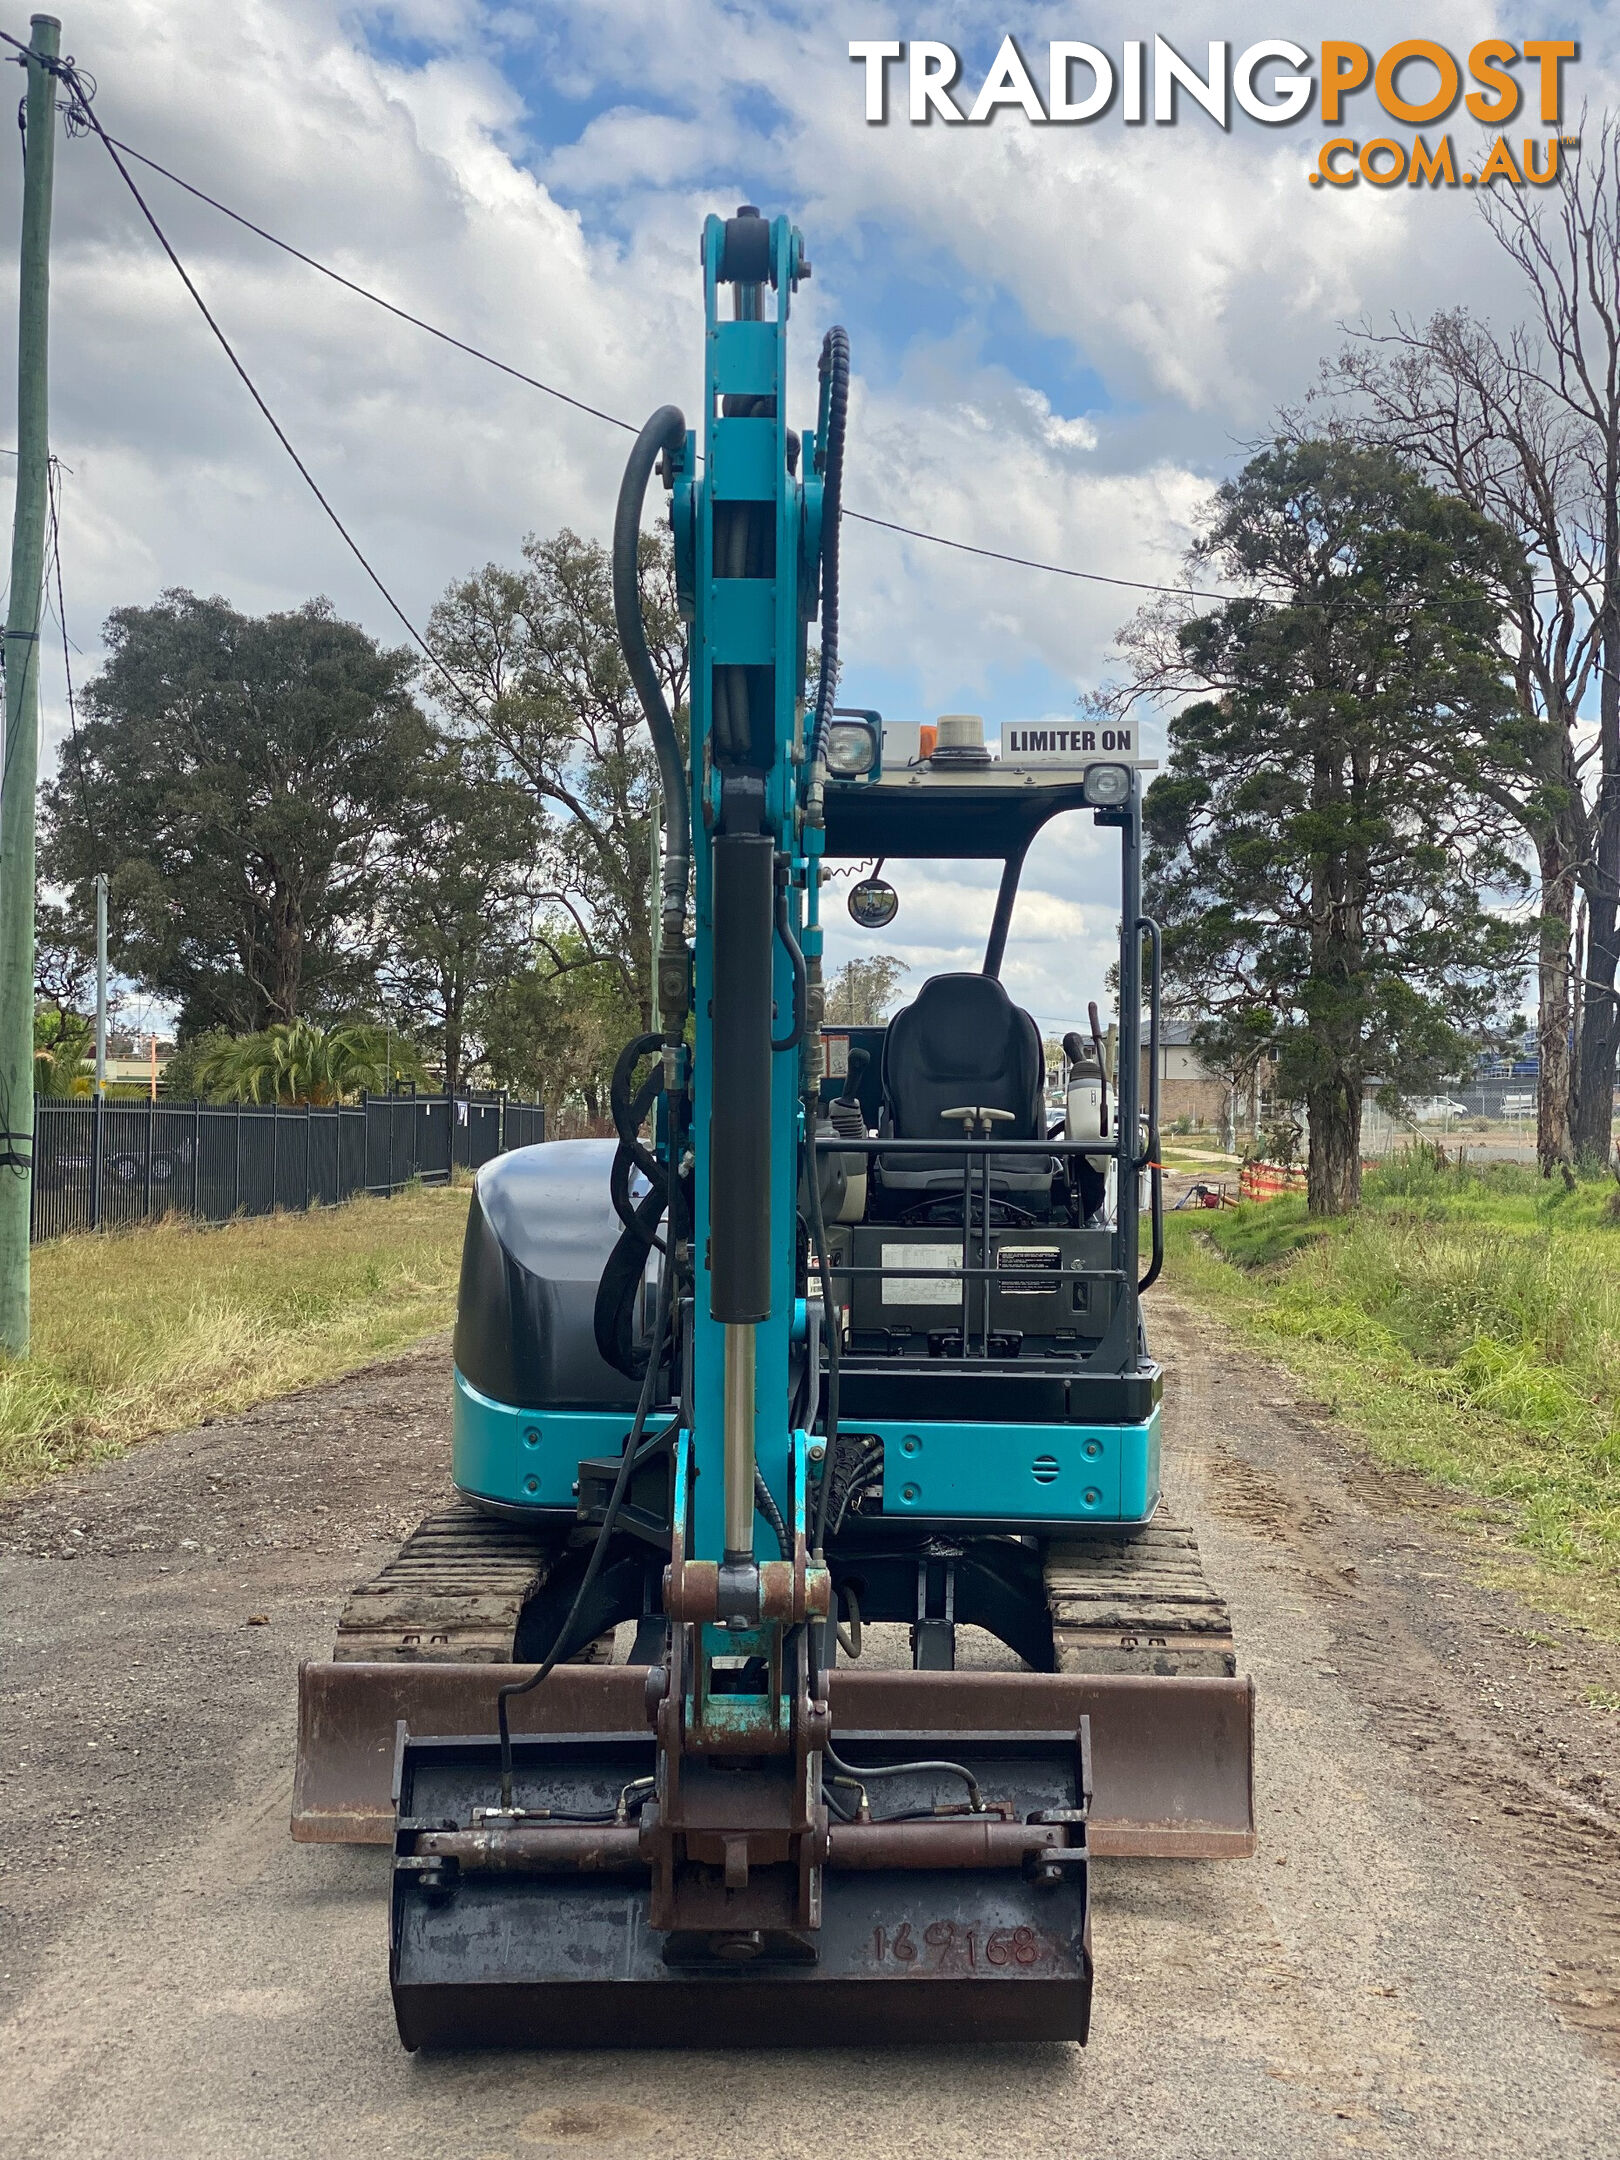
(105, 1166)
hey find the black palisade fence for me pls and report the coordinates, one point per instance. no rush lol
(104, 1167)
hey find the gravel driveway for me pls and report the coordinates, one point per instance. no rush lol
(1423, 1959)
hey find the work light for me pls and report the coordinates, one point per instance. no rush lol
(1106, 785)
(851, 748)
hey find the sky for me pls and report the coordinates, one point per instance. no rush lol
(1063, 337)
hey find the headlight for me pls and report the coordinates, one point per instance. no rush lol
(851, 748)
(1106, 785)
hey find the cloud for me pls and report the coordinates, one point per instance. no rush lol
(1064, 335)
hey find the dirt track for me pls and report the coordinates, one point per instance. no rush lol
(1424, 1958)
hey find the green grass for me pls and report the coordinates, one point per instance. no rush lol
(1467, 1323)
(150, 1329)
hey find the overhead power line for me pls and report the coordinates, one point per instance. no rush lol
(416, 321)
(68, 74)
(596, 412)
(1026, 562)
(54, 490)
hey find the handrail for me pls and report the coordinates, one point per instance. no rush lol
(1156, 941)
(964, 1273)
(1150, 1160)
(838, 1144)
(1156, 1264)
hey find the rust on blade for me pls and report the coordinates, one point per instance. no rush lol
(349, 1713)
(1172, 1756)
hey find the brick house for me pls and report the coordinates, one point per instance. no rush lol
(1189, 1089)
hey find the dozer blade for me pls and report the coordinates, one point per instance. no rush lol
(349, 1715)
(1172, 1757)
(931, 1929)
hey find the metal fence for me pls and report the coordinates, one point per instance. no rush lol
(103, 1166)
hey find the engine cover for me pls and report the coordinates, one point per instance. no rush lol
(539, 1232)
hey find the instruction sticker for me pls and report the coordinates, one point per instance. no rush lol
(920, 1289)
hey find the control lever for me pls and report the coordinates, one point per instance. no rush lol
(1102, 1063)
(976, 1114)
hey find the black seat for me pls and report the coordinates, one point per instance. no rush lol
(962, 1041)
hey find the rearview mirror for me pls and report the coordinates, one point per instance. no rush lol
(873, 903)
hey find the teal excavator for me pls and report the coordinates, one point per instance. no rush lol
(799, 1352)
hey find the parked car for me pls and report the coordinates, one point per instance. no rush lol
(1437, 1110)
(70, 1160)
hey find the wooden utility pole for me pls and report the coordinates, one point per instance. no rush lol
(19, 774)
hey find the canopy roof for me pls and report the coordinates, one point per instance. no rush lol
(991, 814)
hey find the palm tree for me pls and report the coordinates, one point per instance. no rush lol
(299, 1061)
(60, 1070)
(60, 1043)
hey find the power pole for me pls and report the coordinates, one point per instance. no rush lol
(21, 763)
(101, 985)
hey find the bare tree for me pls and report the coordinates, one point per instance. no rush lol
(1566, 245)
(1466, 405)
(1527, 426)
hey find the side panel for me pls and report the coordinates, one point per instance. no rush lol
(1045, 1475)
(1139, 1476)
(526, 1458)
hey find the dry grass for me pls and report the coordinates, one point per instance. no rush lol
(148, 1330)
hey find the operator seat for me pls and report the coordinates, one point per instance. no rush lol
(962, 1041)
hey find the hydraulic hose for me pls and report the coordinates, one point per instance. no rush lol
(859, 1774)
(593, 1567)
(613, 1316)
(765, 1501)
(818, 1234)
(801, 980)
(830, 457)
(665, 431)
(628, 1112)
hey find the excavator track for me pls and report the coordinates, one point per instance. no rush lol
(1143, 1646)
(455, 1589)
(1137, 1603)
(451, 1594)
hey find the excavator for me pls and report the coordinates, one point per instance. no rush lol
(797, 1363)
